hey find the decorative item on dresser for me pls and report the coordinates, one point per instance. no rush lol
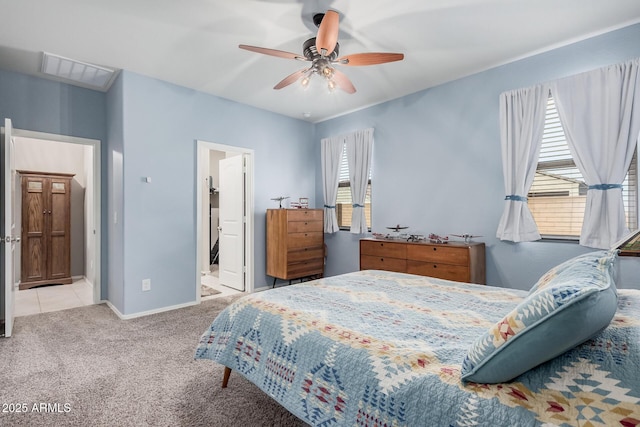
(46, 229)
(295, 243)
(461, 262)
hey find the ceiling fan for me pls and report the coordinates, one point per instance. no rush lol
(322, 52)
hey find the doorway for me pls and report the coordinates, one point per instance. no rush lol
(42, 152)
(224, 222)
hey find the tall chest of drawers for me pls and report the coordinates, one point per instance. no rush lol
(295, 243)
(460, 262)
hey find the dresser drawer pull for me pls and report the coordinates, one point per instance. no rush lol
(435, 249)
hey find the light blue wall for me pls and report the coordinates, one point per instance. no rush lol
(437, 162)
(44, 106)
(437, 166)
(40, 105)
(112, 207)
(149, 128)
(160, 127)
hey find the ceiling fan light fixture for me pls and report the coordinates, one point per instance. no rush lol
(322, 52)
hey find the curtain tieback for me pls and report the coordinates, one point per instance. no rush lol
(516, 198)
(356, 205)
(604, 186)
(329, 207)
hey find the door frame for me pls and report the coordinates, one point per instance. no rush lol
(97, 183)
(202, 159)
(8, 239)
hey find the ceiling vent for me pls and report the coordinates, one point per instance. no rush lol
(76, 72)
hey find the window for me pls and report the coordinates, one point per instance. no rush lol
(344, 204)
(558, 194)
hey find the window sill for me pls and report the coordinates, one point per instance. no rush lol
(561, 239)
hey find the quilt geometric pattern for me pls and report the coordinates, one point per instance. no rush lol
(376, 348)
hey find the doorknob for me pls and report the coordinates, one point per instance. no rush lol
(16, 239)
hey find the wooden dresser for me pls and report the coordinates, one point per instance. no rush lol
(295, 243)
(46, 229)
(456, 261)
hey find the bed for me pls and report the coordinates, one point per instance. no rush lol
(376, 348)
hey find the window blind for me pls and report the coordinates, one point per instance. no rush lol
(558, 194)
(344, 202)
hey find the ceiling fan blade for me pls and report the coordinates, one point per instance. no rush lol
(291, 78)
(328, 33)
(273, 52)
(343, 81)
(370, 58)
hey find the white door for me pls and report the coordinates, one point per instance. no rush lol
(232, 198)
(8, 233)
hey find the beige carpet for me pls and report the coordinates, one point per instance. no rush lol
(89, 368)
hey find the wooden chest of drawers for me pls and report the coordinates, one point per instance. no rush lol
(460, 262)
(295, 243)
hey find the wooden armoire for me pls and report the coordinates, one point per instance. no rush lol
(46, 229)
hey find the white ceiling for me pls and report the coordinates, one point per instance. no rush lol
(194, 43)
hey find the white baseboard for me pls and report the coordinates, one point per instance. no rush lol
(147, 313)
(74, 278)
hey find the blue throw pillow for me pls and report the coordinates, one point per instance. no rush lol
(598, 258)
(566, 310)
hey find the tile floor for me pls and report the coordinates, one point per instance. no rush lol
(211, 280)
(43, 299)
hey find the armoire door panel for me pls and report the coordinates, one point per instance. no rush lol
(59, 213)
(58, 257)
(35, 269)
(34, 212)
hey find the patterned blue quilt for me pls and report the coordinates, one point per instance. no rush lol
(375, 348)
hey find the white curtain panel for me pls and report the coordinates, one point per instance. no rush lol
(600, 113)
(359, 149)
(522, 114)
(331, 152)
